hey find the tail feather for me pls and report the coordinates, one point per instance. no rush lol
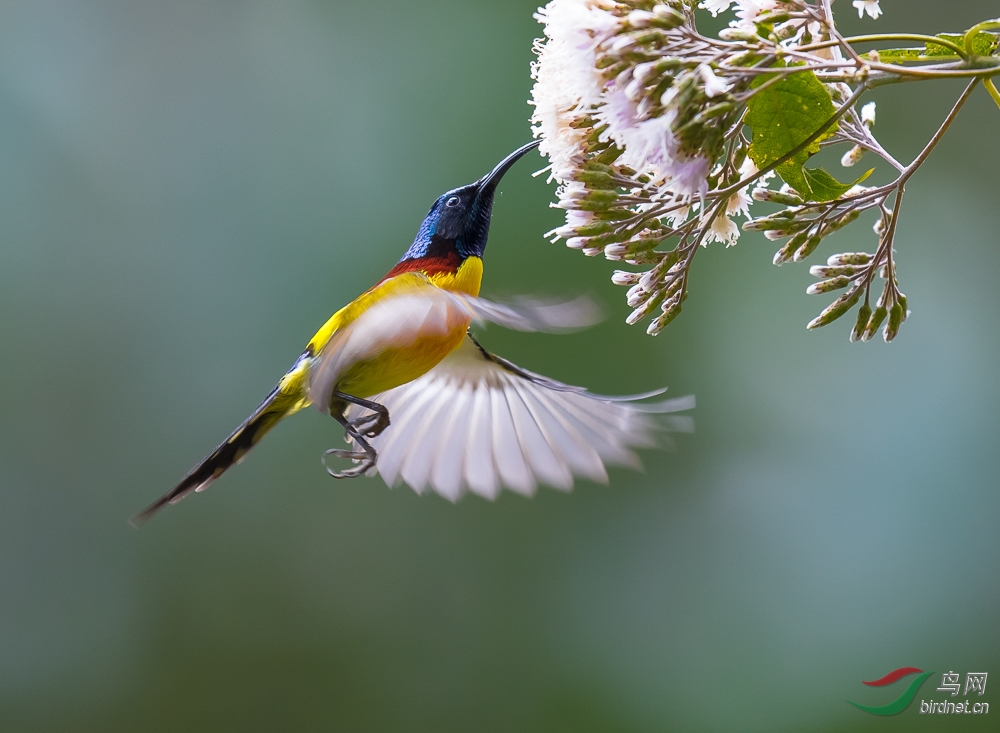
(278, 405)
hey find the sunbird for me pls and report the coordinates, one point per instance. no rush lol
(420, 400)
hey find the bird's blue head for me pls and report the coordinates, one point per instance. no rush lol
(459, 221)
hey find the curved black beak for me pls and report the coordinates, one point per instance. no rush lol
(489, 182)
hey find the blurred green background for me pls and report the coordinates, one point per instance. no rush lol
(188, 189)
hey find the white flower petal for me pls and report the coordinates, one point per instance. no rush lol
(868, 6)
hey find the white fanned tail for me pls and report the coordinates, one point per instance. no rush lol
(478, 423)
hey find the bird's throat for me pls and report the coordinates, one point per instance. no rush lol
(450, 272)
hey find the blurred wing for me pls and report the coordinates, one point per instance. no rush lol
(478, 423)
(422, 310)
(530, 314)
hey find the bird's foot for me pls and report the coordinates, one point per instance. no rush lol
(371, 426)
(363, 459)
(357, 431)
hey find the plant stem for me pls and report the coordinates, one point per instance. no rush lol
(918, 161)
(970, 35)
(991, 88)
(910, 37)
(875, 38)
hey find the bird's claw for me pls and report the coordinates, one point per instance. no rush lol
(364, 461)
(371, 426)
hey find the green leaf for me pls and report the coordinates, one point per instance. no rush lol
(782, 117)
(824, 187)
(983, 44)
(896, 55)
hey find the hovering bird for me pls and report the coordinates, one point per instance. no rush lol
(421, 401)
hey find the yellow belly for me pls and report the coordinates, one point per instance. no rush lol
(399, 365)
(394, 367)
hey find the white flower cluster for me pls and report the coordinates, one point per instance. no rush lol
(643, 121)
(586, 79)
(633, 109)
(567, 82)
(748, 10)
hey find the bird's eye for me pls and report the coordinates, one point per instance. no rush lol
(453, 201)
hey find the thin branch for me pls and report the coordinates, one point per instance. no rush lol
(991, 88)
(918, 161)
(877, 37)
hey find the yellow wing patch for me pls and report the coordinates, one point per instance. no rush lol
(466, 280)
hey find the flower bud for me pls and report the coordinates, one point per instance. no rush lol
(868, 115)
(640, 18)
(747, 58)
(738, 34)
(643, 310)
(902, 304)
(661, 17)
(642, 72)
(622, 277)
(661, 321)
(642, 258)
(596, 179)
(837, 308)
(776, 197)
(785, 253)
(874, 322)
(826, 286)
(597, 200)
(649, 279)
(739, 161)
(619, 44)
(852, 156)
(636, 296)
(772, 17)
(615, 252)
(807, 248)
(633, 90)
(821, 271)
(610, 155)
(716, 110)
(669, 259)
(849, 258)
(670, 292)
(892, 325)
(842, 221)
(668, 17)
(780, 221)
(651, 36)
(864, 313)
(786, 30)
(594, 228)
